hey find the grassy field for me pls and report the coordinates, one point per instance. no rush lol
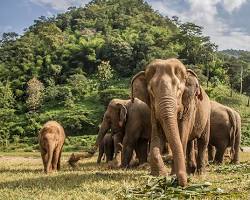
(22, 178)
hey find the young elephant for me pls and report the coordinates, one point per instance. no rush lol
(106, 147)
(51, 139)
(225, 132)
(130, 126)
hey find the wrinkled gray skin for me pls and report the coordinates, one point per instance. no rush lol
(225, 132)
(106, 147)
(130, 126)
(162, 86)
(51, 139)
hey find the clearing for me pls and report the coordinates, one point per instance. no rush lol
(22, 178)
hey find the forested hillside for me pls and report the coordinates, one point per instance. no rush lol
(69, 66)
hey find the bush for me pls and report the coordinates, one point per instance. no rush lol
(107, 95)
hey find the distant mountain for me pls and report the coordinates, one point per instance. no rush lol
(233, 52)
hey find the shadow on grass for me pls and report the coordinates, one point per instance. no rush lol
(63, 181)
(16, 171)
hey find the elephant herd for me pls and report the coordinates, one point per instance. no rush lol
(168, 109)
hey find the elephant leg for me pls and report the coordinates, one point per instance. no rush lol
(109, 149)
(129, 144)
(117, 149)
(157, 142)
(141, 150)
(50, 152)
(100, 154)
(59, 160)
(202, 144)
(191, 158)
(219, 155)
(99, 158)
(56, 155)
(127, 155)
(211, 152)
(44, 158)
(109, 155)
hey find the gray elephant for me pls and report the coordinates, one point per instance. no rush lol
(106, 147)
(51, 139)
(130, 127)
(176, 117)
(225, 132)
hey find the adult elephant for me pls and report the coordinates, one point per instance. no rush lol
(130, 127)
(106, 147)
(225, 132)
(162, 86)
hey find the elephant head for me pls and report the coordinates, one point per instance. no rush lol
(192, 92)
(114, 118)
(162, 85)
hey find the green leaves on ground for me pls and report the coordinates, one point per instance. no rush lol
(166, 188)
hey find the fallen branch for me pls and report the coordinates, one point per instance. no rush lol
(74, 158)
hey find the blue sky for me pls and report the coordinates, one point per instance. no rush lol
(225, 21)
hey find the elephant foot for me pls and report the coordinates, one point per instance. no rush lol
(191, 168)
(114, 164)
(134, 163)
(200, 171)
(145, 166)
(182, 179)
(235, 162)
(217, 162)
(161, 172)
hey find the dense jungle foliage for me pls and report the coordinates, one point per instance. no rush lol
(69, 66)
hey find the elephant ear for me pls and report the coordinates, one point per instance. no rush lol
(123, 115)
(198, 91)
(139, 88)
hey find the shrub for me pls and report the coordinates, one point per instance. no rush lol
(107, 95)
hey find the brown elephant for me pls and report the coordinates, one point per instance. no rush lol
(51, 139)
(194, 123)
(130, 126)
(225, 132)
(106, 147)
(162, 86)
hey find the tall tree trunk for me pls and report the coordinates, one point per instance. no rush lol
(208, 72)
(241, 79)
(231, 92)
(248, 101)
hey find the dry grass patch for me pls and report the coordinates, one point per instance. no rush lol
(22, 178)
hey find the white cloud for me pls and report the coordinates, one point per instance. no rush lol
(231, 5)
(236, 40)
(205, 13)
(60, 5)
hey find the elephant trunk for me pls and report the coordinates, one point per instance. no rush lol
(102, 131)
(168, 115)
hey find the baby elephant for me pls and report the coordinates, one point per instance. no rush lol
(106, 147)
(51, 139)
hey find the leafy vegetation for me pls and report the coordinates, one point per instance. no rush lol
(68, 67)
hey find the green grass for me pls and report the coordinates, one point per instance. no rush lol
(22, 178)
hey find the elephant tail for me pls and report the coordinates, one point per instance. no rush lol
(236, 147)
(233, 131)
